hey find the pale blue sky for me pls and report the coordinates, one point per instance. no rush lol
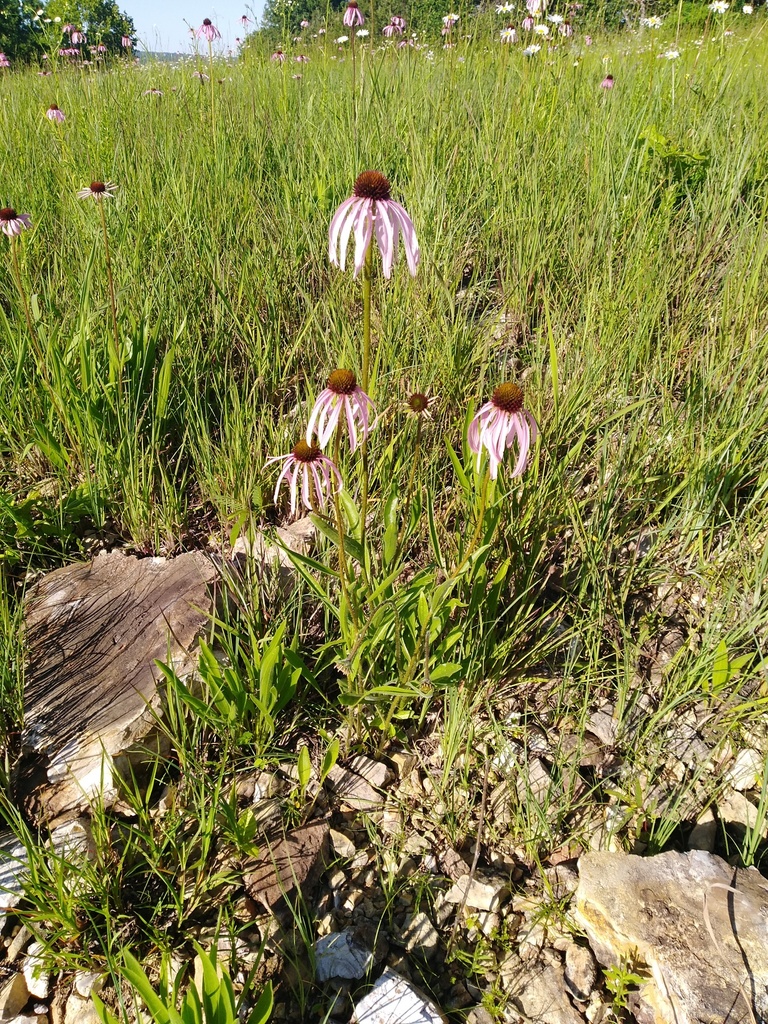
(160, 24)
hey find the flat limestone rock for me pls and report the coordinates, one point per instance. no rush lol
(288, 865)
(698, 924)
(393, 1000)
(93, 632)
(340, 955)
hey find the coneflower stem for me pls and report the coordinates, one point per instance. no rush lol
(213, 98)
(478, 526)
(367, 268)
(112, 303)
(343, 572)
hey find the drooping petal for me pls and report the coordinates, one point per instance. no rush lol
(330, 424)
(317, 414)
(294, 482)
(335, 228)
(524, 442)
(346, 231)
(363, 233)
(305, 495)
(286, 473)
(385, 236)
(351, 427)
(410, 241)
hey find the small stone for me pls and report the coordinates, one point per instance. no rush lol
(534, 781)
(542, 996)
(747, 771)
(704, 833)
(14, 996)
(481, 894)
(404, 763)
(393, 998)
(28, 1020)
(735, 807)
(375, 772)
(353, 790)
(86, 982)
(488, 922)
(454, 865)
(35, 973)
(342, 846)
(603, 725)
(580, 971)
(339, 955)
(479, 1015)
(415, 845)
(418, 933)
(80, 1011)
(19, 943)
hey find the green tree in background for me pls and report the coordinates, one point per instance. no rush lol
(26, 34)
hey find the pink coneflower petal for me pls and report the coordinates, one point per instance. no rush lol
(341, 396)
(385, 236)
(363, 229)
(498, 425)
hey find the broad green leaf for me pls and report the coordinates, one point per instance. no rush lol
(330, 758)
(304, 767)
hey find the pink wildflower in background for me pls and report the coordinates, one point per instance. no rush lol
(528, 23)
(309, 472)
(353, 15)
(341, 396)
(54, 114)
(126, 42)
(304, 24)
(301, 58)
(208, 31)
(245, 21)
(607, 82)
(278, 57)
(98, 190)
(498, 424)
(398, 22)
(77, 37)
(4, 62)
(12, 223)
(391, 30)
(371, 210)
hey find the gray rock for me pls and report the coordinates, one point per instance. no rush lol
(746, 772)
(290, 864)
(35, 973)
(91, 695)
(340, 955)
(19, 943)
(393, 1000)
(539, 992)
(481, 894)
(375, 772)
(603, 725)
(86, 982)
(735, 807)
(353, 790)
(342, 846)
(418, 933)
(80, 1011)
(13, 866)
(534, 781)
(702, 942)
(14, 996)
(580, 971)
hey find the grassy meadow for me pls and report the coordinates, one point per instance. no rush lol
(605, 249)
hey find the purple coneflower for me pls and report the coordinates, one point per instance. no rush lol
(306, 465)
(98, 190)
(496, 426)
(69, 29)
(54, 114)
(126, 42)
(278, 57)
(4, 62)
(392, 30)
(101, 48)
(77, 37)
(566, 29)
(12, 223)
(353, 15)
(245, 21)
(341, 395)
(152, 92)
(304, 24)
(587, 40)
(371, 209)
(301, 58)
(398, 22)
(208, 31)
(607, 82)
(201, 75)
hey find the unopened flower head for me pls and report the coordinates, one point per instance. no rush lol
(54, 114)
(342, 395)
(12, 223)
(371, 210)
(307, 472)
(208, 31)
(353, 15)
(497, 426)
(607, 82)
(509, 34)
(98, 190)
